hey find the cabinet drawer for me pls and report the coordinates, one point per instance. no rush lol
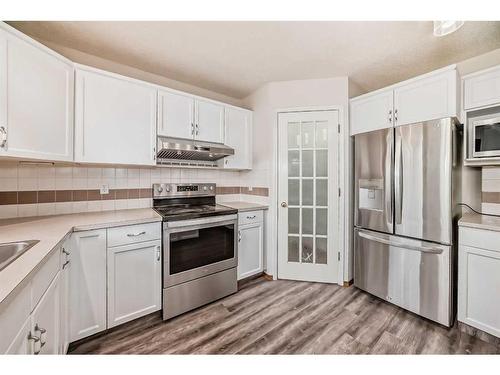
(480, 238)
(134, 233)
(250, 217)
(44, 277)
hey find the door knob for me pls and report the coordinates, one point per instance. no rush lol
(283, 204)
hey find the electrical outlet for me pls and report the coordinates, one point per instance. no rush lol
(104, 189)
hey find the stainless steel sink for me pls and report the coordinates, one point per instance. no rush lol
(10, 251)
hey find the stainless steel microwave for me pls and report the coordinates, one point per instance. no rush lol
(486, 137)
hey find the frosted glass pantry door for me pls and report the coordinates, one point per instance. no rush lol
(308, 200)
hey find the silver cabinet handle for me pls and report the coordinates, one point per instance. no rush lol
(192, 129)
(386, 241)
(43, 331)
(136, 234)
(3, 136)
(65, 251)
(395, 115)
(390, 115)
(197, 129)
(36, 340)
(239, 236)
(158, 253)
(251, 217)
(65, 264)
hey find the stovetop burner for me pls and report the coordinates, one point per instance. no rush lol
(186, 211)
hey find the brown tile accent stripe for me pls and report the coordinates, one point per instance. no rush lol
(49, 196)
(490, 197)
(27, 197)
(262, 191)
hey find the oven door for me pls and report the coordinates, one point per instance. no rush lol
(199, 247)
(486, 138)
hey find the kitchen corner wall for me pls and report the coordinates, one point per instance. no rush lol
(39, 190)
(490, 191)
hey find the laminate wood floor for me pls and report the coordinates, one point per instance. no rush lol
(287, 317)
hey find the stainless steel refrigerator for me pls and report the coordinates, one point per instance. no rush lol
(406, 190)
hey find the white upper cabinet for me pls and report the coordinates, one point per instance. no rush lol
(371, 112)
(209, 124)
(238, 135)
(482, 89)
(115, 119)
(426, 99)
(36, 100)
(175, 115)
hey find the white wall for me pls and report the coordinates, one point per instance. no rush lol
(265, 102)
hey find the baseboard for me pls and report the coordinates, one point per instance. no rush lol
(348, 283)
(267, 277)
(476, 332)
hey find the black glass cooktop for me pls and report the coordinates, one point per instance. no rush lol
(187, 211)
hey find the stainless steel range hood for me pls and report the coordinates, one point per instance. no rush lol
(183, 149)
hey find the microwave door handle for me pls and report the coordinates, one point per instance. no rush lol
(388, 241)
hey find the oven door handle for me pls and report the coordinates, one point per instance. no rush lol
(201, 221)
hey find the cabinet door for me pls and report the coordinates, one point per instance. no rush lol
(175, 115)
(87, 283)
(22, 344)
(115, 119)
(46, 318)
(134, 281)
(65, 266)
(209, 124)
(371, 112)
(429, 98)
(250, 250)
(238, 135)
(36, 100)
(482, 89)
(478, 288)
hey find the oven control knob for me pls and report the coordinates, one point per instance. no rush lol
(160, 189)
(205, 188)
(211, 188)
(167, 188)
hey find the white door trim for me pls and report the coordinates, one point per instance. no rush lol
(344, 160)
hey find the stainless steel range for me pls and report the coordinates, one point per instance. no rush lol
(200, 247)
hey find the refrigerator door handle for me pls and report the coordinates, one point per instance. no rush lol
(398, 178)
(388, 179)
(387, 241)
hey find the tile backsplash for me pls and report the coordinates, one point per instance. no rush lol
(39, 190)
(490, 191)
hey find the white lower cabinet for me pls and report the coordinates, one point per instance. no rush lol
(87, 284)
(479, 279)
(23, 343)
(250, 245)
(134, 281)
(46, 320)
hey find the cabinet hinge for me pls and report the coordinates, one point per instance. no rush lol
(339, 192)
(338, 256)
(338, 128)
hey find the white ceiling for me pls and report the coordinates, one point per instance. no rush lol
(235, 58)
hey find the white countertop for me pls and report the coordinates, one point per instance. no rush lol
(51, 231)
(242, 206)
(474, 220)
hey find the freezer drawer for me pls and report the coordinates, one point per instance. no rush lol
(412, 274)
(373, 180)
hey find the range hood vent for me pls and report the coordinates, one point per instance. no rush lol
(181, 149)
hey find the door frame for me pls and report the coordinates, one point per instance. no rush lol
(344, 160)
